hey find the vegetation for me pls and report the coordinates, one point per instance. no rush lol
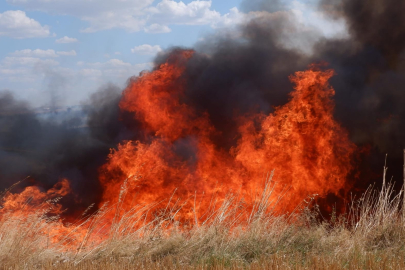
(370, 235)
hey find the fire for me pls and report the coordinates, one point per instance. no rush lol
(178, 162)
(301, 141)
(309, 150)
(33, 196)
(38, 213)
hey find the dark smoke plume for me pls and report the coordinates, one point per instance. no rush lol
(49, 149)
(371, 75)
(232, 77)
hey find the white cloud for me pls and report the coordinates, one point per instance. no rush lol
(233, 18)
(73, 85)
(114, 20)
(157, 29)
(131, 15)
(35, 53)
(67, 53)
(90, 72)
(110, 63)
(85, 9)
(23, 70)
(100, 14)
(146, 49)
(114, 70)
(16, 24)
(38, 53)
(27, 61)
(193, 13)
(66, 39)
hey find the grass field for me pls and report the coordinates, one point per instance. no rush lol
(370, 235)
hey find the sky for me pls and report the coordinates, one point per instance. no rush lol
(57, 52)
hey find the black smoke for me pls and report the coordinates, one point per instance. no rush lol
(370, 85)
(47, 147)
(232, 76)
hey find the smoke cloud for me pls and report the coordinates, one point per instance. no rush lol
(370, 82)
(73, 145)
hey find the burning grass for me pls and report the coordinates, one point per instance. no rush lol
(177, 199)
(369, 235)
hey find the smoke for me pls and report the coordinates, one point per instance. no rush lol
(376, 24)
(231, 77)
(260, 5)
(371, 75)
(54, 83)
(69, 144)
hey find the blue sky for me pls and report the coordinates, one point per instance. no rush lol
(70, 48)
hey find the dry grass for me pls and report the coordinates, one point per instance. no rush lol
(371, 235)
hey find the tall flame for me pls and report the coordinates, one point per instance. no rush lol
(301, 141)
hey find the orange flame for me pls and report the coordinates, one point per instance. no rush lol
(40, 211)
(301, 141)
(33, 196)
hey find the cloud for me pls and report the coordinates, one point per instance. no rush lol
(85, 9)
(109, 63)
(131, 15)
(67, 53)
(100, 14)
(91, 72)
(114, 70)
(193, 13)
(66, 39)
(114, 20)
(233, 18)
(16, 24)
(23, 70)
(27, 61)
(38, 53)
(22, 73)
(146, 49)
(35, 53)
(169, 12)
(157, 29)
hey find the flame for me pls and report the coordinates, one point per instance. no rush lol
(40, 211)
(33, 196)
(309, 151)
(301, 140)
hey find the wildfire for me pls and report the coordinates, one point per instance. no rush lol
(307, 148)
(177, 159)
